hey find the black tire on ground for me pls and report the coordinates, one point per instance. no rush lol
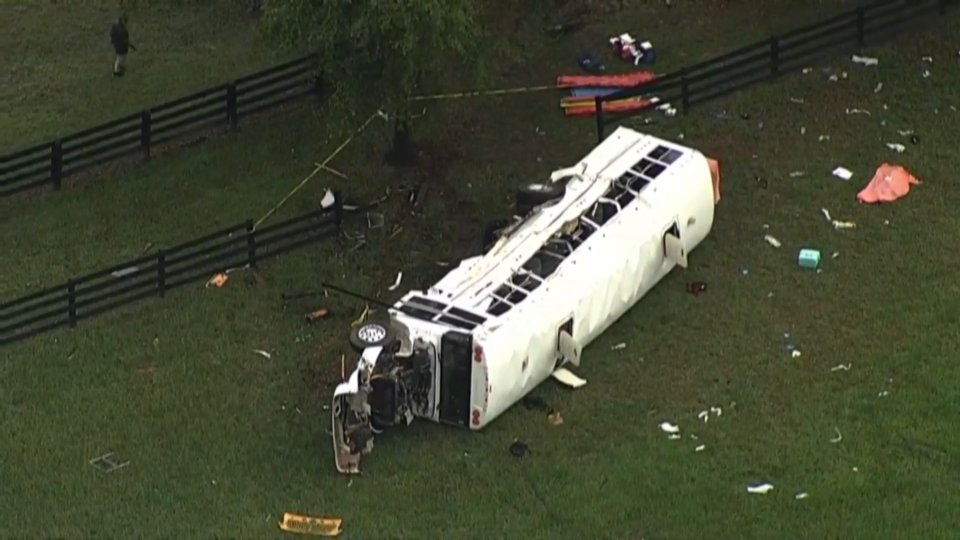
(531, 196)
(490, 233)
(372, 334)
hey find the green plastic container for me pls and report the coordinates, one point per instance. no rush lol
(809, 258)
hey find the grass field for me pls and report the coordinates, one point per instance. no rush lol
(222, 441)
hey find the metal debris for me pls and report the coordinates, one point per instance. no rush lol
(396, 282)
(761, 489)
(108, 463)
(667, 427)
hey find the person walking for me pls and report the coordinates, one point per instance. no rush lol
(120, 38)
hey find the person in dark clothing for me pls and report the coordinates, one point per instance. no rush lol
(120, 38)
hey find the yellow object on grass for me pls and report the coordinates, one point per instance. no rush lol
(311, 525)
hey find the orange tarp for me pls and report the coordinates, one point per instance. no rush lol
(625, 80)
(715, 175)
(888, 184)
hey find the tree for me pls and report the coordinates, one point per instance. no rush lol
(376, 54)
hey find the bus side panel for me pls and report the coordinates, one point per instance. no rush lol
(456, 357)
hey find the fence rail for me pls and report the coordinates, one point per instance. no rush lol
(47, 165)
(769, 59)
(155, 275)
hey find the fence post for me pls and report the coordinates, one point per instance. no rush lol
(145, 130)
(72, 302)
(251, 244)
(161, 273)
(338, 210)
(232, 105)
(684, 94)
(774, 56)
(56, 164)
(598, 106)
(861, 24)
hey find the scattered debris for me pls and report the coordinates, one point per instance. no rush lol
(926, 74)
(218, 280)
(262, 353)
(108, 463)
(375, 220)
(809, 258)
(324, 526)
(700, 448)
(896, 147)
(878, 88)
(858, 111)
(888, 184)
(835, 255)
(797, 174)
(883, 393)
(842, 173)
(927, 59)
(696, 287)
(822, 138)
(841, 367)
(627, 48)
(396, 282)
(328, 200)
(801, 495)
(838, 438)
(865, 60)
(761, 489)
(797, 100)
(705, 414)
(519, 449)
(772, 241)
(554, 418)
(618, 346)
(123, 272)
(667, 427)
(315, 316)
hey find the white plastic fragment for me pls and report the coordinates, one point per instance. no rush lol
(797, 100)
(704, 415)
(797, 174)
(896, 147)
(838, 438)
(396, 282)
(878, 88)
(772, 241)
(927, 59)
(669, 428)
(327, 200)
(262, 353)
(834, 256)
(843, 224)
(858, 111)
(865, 60)
(795, 353)
(618, 346)
(760, 488)
(700, 448)
(717, 411)
(905, 132)
(926, 74)
(802, 495)
(823, 138)
(674, 437)
(842, 173)
(841, 367)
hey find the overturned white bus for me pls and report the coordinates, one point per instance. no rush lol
(582, 249)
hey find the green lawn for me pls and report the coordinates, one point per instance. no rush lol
(223, 441)
(57, 61)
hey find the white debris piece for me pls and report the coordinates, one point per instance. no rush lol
(797, 174)
(618, 346)
(896, 147)
(842, 173)
(865, 60)
(926, 74)
(669, 428)
(905, 132)
(802, 495)
(858, 111)
(674, 437)
(396, 282)
(843, 224)
(704, 415)
(841, 367)
(823, 138)
(772, 241)
(262, 353)
(839, 436)
(878, 88)
(700, 448)
(760, 488)
(927, 59)
(795, 354)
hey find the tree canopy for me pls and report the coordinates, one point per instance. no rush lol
(375, 54)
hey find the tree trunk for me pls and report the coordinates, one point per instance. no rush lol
(404, 151)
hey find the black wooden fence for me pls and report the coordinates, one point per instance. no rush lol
(155, 275)
(768, 59)
(48, 164)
